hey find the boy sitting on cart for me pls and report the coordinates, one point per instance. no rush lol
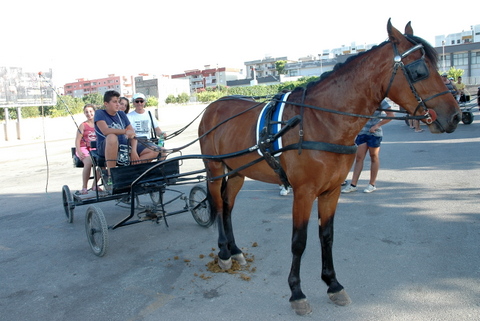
(113, 131)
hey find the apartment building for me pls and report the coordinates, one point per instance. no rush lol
(459, 50)
(161, 86)
(209, 77)
(82, 87)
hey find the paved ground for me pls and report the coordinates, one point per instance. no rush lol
(408, 251)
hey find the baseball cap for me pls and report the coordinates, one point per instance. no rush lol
(138, 95)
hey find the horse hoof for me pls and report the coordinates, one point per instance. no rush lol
(240, 259)
(340, 298)
(301, 307)
(225, 264)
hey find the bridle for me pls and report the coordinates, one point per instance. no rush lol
(414, 72)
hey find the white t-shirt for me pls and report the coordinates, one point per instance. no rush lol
(142, 124)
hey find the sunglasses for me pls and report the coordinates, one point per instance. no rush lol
(139, 101)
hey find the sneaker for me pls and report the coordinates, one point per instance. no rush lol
(349, 189)
(107, 182)
(369, 189)
(284, 191)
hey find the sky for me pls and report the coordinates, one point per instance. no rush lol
(91, 39)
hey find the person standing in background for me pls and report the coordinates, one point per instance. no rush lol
(369, 140)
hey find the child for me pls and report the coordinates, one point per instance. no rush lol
(85, 135)
(113, 129)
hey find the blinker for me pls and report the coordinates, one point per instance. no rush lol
(417, 70)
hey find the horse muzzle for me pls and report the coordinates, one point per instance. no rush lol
(443, 125)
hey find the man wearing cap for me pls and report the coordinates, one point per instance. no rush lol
(144, 123)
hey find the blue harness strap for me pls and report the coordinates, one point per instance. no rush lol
(273, 119)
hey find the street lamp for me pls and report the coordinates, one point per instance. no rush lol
(443, 54)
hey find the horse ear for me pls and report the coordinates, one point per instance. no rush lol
(408, 29)
(393, 34)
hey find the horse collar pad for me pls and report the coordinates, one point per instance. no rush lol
(270, 120)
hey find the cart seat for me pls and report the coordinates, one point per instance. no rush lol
(77, 162)
(124, 176)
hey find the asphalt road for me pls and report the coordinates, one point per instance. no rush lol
(408, 251)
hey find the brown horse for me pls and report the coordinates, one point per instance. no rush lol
(404, 69)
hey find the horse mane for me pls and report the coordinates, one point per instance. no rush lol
(430, 52)
(337, 67)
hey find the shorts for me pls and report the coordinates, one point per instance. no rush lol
(372, 141)
(101, 149)
(101, 146)
(84, 151)
(140, 148)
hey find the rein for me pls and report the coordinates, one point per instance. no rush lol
(413, 72)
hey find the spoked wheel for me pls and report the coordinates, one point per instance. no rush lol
(97, 229)
(199, 206)
(467, 118)
(68, 204)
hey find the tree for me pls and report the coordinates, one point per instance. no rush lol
(65, 104)
(455, 73)
(95, 99)
(280, 66)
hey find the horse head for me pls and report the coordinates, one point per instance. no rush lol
(415, 83)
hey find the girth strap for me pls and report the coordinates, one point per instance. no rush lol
(327, 147)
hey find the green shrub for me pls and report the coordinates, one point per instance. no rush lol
(170, 99)
(30, 112)
(183, 98)
(152, 101)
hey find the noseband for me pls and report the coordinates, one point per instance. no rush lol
(414, 72)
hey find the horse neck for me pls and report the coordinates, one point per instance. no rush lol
(357, 87)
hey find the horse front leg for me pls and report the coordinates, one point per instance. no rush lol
(301, 213)
(326, 212)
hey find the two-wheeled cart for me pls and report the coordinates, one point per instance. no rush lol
(129, 182)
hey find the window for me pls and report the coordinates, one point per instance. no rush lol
(476, 57)
(460, 59)
(445, 60)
